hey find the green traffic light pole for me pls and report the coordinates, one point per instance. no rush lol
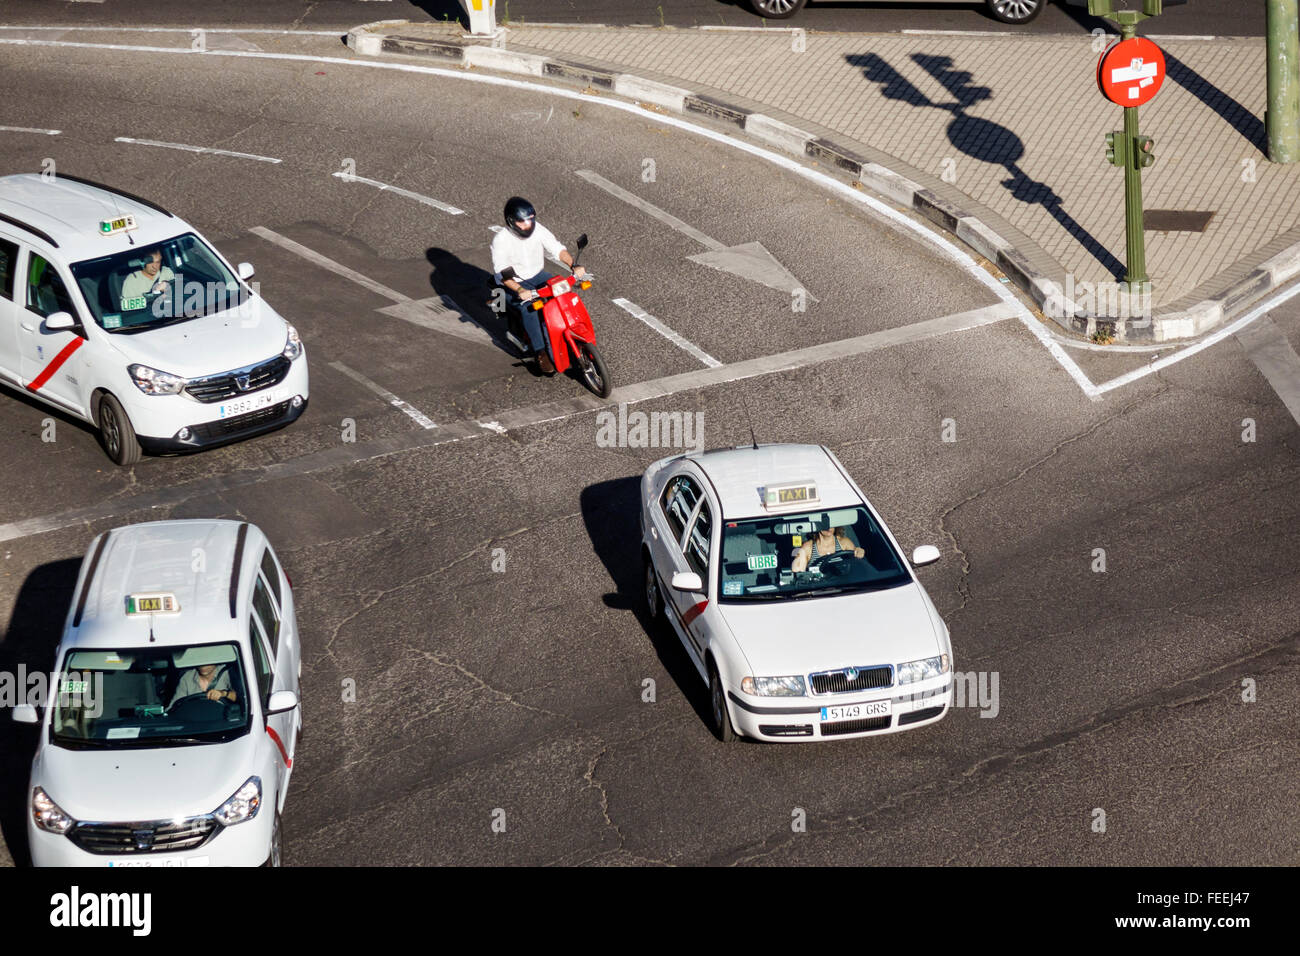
(1283, 116)
(1126, 151)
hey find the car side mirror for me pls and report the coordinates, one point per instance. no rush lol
(61, 322)
(25, 714)
(582, 242)
(282, 701)
(687, 581)
(245, 270)
(925, 554)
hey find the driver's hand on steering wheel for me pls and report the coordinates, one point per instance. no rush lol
(215, 694)
(859, 553)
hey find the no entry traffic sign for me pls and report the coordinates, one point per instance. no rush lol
(1130, 72)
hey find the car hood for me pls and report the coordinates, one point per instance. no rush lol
(130, 786)
(825, 633)
(207, 345)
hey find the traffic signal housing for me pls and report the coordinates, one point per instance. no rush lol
(1142, 155)
(1114, 149)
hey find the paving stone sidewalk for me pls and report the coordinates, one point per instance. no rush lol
(1010, 129)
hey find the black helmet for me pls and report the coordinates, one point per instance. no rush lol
(520, 209)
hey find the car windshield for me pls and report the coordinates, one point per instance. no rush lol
(150, 286)
(818, 553)
(151, 697)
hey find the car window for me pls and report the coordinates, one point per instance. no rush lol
(679, 500)
(8, 260)
(271, 572)
(267, 615)
(697, 543)
(46, 293)
(261, 663)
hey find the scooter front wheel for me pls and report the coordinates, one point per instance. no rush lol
(592, 367)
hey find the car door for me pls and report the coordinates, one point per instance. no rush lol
(283, 727)
(9, 364)
(696, 555)
(52, 362)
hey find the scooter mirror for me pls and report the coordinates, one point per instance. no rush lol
(582, 242)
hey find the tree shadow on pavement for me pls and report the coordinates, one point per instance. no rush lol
(448, 11)
(35, 627)
(610, 510)
(981, 139)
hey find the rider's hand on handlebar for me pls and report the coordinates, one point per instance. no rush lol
(579, 271)
(527, 294)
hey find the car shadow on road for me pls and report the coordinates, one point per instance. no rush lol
(609, 510)
(981, 139)
(28, 648)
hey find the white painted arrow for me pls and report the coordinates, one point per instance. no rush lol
(748, 260)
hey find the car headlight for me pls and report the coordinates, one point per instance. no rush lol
(48, 815)
(242, 805)
(153, 382)
(292, 344)
(923, 670)
(773, 686)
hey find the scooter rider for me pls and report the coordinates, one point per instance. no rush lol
(522, 246)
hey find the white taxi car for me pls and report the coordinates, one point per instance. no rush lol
(169, 735)
(122, 315)
(790, 595)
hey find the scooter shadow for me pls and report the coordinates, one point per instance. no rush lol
(472, 289)
(609, 511)
(29, 643)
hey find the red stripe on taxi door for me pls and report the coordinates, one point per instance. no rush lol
(48, 372)
(689, 617)
(280, 743)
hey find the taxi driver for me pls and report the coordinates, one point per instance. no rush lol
(827, 541)
(150, 279)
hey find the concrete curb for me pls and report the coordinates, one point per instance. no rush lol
(1054, 300)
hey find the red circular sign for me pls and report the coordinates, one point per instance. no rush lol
(1130, 72)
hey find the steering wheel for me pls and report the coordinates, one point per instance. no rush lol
(200, 699)
(832, 564)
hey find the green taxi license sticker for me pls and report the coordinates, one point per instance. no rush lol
(112, 321)
(761, 562)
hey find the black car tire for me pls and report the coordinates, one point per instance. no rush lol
(722, 728)
(1016, 11)
(116, 432)
(777, 9)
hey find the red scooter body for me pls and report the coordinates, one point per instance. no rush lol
(570, 333)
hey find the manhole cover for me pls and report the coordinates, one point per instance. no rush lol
(1176, 220)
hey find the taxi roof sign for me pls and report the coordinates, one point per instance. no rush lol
(791, 495)
(109, 227)
(162, 602)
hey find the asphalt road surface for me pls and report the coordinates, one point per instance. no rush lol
(1199, 17)
(523, 689)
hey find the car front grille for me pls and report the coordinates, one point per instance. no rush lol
(231, 426)
(162, 836)
(855, 726)
(839, 682)
(218, 388)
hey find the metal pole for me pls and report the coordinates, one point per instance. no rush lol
(1283, 116)
(1133, 226)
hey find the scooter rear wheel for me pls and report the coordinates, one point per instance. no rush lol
(592, 368)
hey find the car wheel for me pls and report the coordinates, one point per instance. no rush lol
(276, 857)
(654, 601)
(777, 9)
(722, 728)
(116, 432)
(1016, 11)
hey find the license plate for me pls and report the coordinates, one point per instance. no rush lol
(163, 861)
(875, 708)
(252, 403)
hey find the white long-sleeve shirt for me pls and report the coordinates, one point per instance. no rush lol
(526, 256)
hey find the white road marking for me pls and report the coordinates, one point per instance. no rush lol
(667, 218)
(1271, 351)
(28, 129)
(346, 455)
(348, 178)
(312, 256)
(669, 334)
(442, 314)
(414, 413)
(946, 247)
(196, 149)
(1262, 309)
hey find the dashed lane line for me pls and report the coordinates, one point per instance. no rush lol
(385, 187)
(196, 149)
(29, 129)
(345, 455)
(325, 262)
(421, 419)
(1268, 347)
(633, 309)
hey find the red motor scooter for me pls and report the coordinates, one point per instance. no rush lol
(569, 330)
